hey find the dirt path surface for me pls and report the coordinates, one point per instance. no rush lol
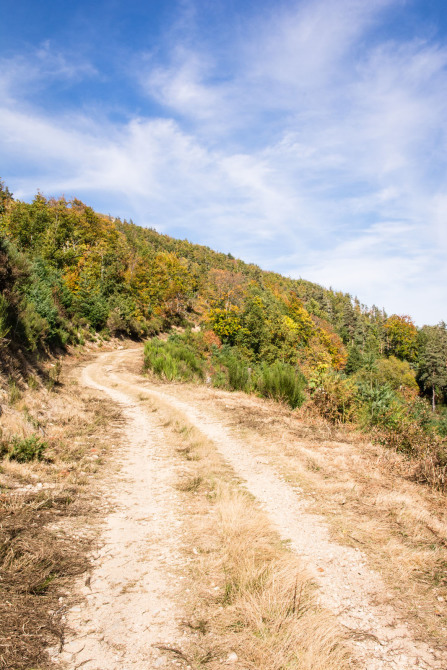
(131, 596)
(130, 610)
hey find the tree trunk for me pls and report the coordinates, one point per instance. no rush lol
(433, 395)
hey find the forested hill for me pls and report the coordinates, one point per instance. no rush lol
(66, 268)
(67, 272)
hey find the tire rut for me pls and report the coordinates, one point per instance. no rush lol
(128, 606)
(348, 587)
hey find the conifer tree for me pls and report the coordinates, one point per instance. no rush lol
(433, 360)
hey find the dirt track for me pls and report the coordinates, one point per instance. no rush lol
(132, 595)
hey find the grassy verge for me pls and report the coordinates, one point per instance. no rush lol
(393, 417)
(52, 442)
(190, 358)
(364, 492)
(248, 599)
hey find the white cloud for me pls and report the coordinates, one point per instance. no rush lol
(182, 86)
(24, 74)
(314, 149)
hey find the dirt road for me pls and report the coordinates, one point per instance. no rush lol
(131, 607)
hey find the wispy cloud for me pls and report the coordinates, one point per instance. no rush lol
(24, 74)
(315, 146)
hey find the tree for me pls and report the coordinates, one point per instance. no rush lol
(433, 360)
(402, 337)
(5, 197)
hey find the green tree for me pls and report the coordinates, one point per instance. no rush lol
(433, 360)
(402, 337)
(5, 197)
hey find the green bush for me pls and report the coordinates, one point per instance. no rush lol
(231, 370)
(282, 382)
(279, 381)
(14, 392)
(335, 397)
(24, 449)
(380, 406)
(154, 325)
(4, 318)
(34, 325)
(441, 424)
(174, 359)
(239, 375)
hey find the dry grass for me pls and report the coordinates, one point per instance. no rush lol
(366, 493)
(252, 597)
(246, 593)
(34, 564)
(43, 508)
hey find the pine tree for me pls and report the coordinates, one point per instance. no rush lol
(433, 360)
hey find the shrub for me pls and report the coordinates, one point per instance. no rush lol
(4, 318)
(230, 369)
(24, 449)
(283, 382)
(174, 359)
(396, 373)
(427, 449)
(334, 396)
(381, 406)
(279, 381)
(53, 376)
(239, 375)
(441, 425)
(14, 393)
(154, 326)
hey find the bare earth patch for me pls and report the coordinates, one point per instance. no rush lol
(129, 615)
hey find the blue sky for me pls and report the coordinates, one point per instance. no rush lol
(309, 137)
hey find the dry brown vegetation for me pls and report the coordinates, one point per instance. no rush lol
(247, 596)
(366, 493)
(43, 507)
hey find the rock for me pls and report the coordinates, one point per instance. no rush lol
(74, 646)
(232, 657)
(160, 662)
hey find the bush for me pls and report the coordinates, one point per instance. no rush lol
(279, 381)
(335, 397)
(24, 449)
(427, 449)
(239, 375)
(441, 425)
(14, 392)
(231, 370)
(4, 318)
(396, 373)
(154, 326)
(283, 382)
(174, 359)
(381, 406)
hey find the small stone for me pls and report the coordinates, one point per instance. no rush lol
(160, 662)
(74, 647)
(232, 657)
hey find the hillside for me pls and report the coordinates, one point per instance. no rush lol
(261, 484)
(69, 274)
(66, 269)
(115, 276)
